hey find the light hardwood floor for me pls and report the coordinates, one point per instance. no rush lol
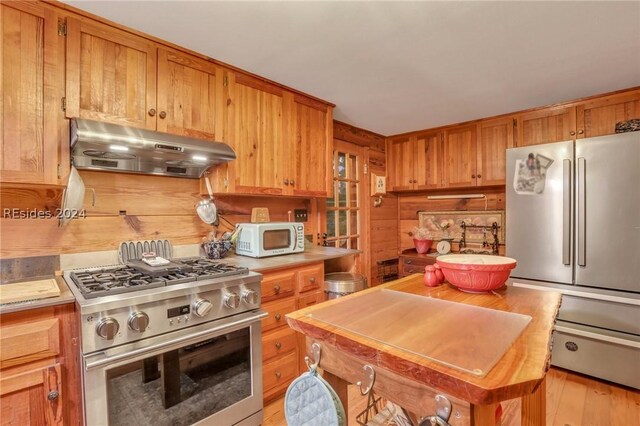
(572, 400)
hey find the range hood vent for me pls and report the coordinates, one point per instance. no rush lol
(104, 146)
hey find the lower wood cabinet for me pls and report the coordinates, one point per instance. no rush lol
(283, 349)
(40, 367)
(411, 262)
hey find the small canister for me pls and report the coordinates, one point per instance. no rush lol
(439, 273)
(430, 277)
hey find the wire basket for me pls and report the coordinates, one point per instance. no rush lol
(387, 270)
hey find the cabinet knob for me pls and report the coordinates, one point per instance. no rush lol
(312, 280)
(580, 131)
(286, 182)
(53, 395)
(278, 345)
(293, 182)
(473, 176)
(276, 289)
(163, 115)
(479, 176)
(408, 261)
(278, 317)
(278, 374)
(152, 112)
(572, 133)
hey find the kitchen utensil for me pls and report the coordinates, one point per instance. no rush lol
(430, 277)
(206, 209)
(31, 290)
(475, 273)
(216, 249)
(72, 198)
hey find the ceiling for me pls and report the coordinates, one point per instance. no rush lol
(393, 67)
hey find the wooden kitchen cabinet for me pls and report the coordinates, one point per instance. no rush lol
(494, 137)
(411, 262)
(192, 94)
(283, 350)
(415, 162)
(460, 156)
(311, 146)
(111, 75)
(598, 117)
(547, 125)
(40, 367)
(32, 139)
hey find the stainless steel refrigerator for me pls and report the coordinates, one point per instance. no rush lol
(573, 225)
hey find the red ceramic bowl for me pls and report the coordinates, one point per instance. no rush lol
(476, 273)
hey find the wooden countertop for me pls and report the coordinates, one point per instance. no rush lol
(65, 297)
(520, 370)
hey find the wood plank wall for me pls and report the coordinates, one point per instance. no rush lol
(410, 204)
(382, 226)
(128, 207)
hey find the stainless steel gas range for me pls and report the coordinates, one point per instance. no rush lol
(172, 345)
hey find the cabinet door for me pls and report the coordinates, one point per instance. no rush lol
(598, 117)
(546, 126)
(427, 162)
(309, 145)
(33, 397)
(460, 157)
(31, 118)
(400, 153)
(494, 137)
(190, 96)
(111, 75)
(258, 141)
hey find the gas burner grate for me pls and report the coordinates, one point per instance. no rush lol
(205, 269)
(110, 281)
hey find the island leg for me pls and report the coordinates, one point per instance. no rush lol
(484, 415)
(340, 386)
(534, 406)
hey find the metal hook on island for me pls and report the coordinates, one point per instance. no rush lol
(371, 379)
(316, 352)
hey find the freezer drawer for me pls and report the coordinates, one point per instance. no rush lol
(601, 313)
(609, 356)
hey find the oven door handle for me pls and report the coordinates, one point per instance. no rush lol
(230, 325)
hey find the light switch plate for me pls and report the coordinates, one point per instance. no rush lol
(300, 215)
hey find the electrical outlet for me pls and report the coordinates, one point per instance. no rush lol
(300, 215)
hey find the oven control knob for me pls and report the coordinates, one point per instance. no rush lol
(201, 307)
(107, 328)
(232, 300)
(250, 297)
(138, 321)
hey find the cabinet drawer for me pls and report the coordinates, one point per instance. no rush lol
(414, 265)
(600, 353)
(277, 310)
(278, 342)
(309, 299)
(278, 373)
(310, 278)
(278, 285)
(30, 341)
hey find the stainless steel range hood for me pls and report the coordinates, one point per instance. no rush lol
(104, 146)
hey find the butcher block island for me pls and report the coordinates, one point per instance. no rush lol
(476, 350)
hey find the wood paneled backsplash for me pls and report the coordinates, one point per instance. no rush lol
(410, 204)
(128, 207)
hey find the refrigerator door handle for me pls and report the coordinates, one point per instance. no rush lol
(566, 212)
(581, 209)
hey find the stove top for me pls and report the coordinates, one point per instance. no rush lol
(111, 280)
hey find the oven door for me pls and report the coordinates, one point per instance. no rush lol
(207, 374)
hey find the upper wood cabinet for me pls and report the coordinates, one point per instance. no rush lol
(546, 126)
(598, 117)
(312, 147)
(191, 96)
(494, 137)
(111, 75)
(415, 162)
(460, 156)
(400, 156)
(32, 138)
(258, 138)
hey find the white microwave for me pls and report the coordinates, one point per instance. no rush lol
(270, 239)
